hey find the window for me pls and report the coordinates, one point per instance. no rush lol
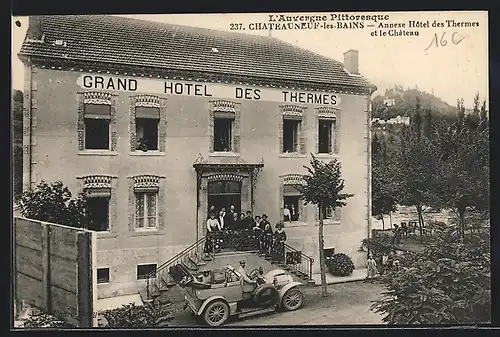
(325, 136)
(98, 212)
(103, 275)
(97, 121)
(291, 204)
(224, 194)
(290, 135)
(147, 120)
(146, 210)
(329, 252)
(327, 213)
(143, 270)
(223, 134)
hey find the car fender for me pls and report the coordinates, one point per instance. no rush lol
(287, 287)
(207, 301)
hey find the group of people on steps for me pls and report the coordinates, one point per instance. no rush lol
(271, 243)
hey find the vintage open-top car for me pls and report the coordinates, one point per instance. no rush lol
(215, 295)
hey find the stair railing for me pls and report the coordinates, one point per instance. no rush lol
(299, 261)
(160, 277)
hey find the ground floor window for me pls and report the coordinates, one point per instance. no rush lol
(291, 204)
(98, 213)
(327, 213)
(143, 270)
(146, 215)
(103, 275)
(329, 252)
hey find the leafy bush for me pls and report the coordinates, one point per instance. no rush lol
(340, 264)
(39, 319)
(53, 203)
(143, 316)
(377, 245)
(448, 282)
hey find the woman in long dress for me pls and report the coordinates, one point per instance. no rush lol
(279, 242)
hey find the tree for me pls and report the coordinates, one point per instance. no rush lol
(448, 282)
(462, 151)
(414, 174)
(54, 203)
(323, 187)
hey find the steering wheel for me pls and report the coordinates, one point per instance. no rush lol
(254, 274)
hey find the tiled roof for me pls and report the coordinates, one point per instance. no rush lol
(131, 42)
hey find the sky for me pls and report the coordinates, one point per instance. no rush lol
(455, 70)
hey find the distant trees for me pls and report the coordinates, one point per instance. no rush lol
(436, 163)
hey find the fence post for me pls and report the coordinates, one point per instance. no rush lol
(46, 284)
(85, 282)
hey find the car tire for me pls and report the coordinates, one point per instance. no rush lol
(216, 313)
(292, 300)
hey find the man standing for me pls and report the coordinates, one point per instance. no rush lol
(229, 218)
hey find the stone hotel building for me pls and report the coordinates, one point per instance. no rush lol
(158, 122)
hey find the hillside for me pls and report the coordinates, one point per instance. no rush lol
(405, 100)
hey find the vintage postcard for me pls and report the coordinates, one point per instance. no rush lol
(265, 169)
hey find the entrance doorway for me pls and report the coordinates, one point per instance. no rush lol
(223, 194)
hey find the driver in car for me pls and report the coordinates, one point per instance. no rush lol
(242, 271)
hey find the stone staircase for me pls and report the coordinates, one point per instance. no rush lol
(297, 264)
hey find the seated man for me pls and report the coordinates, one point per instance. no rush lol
(244, 275)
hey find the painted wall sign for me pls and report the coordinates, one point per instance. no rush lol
(215, 90)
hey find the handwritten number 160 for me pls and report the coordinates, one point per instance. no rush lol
(443, 42)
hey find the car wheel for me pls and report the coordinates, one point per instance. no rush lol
(216, 313)
(292, 300)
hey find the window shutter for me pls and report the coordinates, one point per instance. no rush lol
(80, 125)
(162, 126)
(97, 111)
(302, 136)
(224, 114)
(131, 204)
(335, 138)
(147, 112)
(330, 138)
(337, 213)
(280, 131)
(235, 147)
(133, 140)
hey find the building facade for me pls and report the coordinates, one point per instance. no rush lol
(156, 134)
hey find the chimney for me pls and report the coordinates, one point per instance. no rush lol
(35, 28)
(351, 62)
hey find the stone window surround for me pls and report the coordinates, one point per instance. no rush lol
(230, 107)
(147, 181)
(292, 180)
(148, 101)
(333, 114)
(97, 97)
(103, 181)
(293, 112)
(242, 177)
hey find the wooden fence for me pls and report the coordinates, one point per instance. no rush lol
(53, 269)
